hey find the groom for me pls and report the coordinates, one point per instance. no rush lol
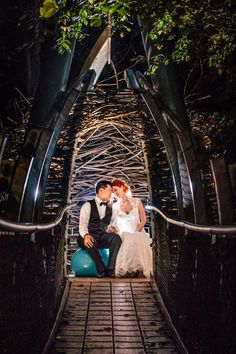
(95, 232)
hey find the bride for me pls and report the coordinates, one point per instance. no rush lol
(135, 254)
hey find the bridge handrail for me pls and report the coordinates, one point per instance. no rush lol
(229, 230)
(30, 227)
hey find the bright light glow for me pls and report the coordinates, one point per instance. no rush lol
(191, 187)
(175, 188)
(36, 193)
(149, 207)
(128, 193)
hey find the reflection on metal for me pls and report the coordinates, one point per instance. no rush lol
(28, 200)
(109, 40)
(3, 141)
(194, 176)
(131, 80)
(223, 191)
(18, 186)
(27, 227)
(40, 172)
(225, 231)
(24, 187)
(100, 54)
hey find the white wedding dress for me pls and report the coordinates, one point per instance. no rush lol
(135, 253)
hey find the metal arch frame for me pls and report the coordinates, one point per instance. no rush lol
(157, 109)
(164, 81)
(169, 146)
(189, 157)
(138, 82)
(78, 90)
(36, 168)
(30, 204)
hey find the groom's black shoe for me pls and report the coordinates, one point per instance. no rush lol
(101, 275)
(111, 274)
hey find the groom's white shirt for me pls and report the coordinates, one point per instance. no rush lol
(85, 215)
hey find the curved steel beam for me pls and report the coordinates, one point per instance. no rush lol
(165, 79)
(156, 112)
(26, 198)
(99, 55)
(159, 111)
(28, 207)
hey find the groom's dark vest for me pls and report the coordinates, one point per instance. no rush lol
(96, 225)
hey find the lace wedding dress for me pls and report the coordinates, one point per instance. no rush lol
(135, 253)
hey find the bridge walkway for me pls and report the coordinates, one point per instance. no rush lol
(112, 316)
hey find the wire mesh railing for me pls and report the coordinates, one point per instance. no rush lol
(32, 278)
(195, 270)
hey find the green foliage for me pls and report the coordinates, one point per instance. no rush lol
(194, 32)
(73, 17)
(183, 31)
(48, 8)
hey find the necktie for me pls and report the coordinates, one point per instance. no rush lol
(103, 203)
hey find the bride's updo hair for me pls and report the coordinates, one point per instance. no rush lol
(119, 183)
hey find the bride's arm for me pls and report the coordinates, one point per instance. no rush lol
(142, 216)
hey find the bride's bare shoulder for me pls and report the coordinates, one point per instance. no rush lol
(135, 201)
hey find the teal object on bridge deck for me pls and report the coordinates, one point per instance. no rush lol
(83, 265)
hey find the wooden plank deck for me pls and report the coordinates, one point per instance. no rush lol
(112, 316)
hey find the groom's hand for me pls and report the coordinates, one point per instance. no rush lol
(111, 230)
(88, 241)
